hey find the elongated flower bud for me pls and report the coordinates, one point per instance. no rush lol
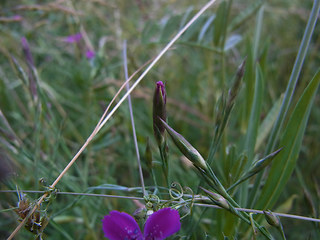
(217, 198)
(256, 168)
(186, 148)
(272, 219)
(139, 214)
(159, 112)
(262, 163)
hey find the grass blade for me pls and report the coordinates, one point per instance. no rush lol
(285, 162)
(294, 76)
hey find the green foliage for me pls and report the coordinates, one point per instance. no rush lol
(49, 108)
(285, 162)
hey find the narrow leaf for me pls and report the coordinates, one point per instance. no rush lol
(285, 162)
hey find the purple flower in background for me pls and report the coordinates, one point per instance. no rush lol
(31, 67)
(90, 54)
(27, 51)
(86, 48)
(161, 224)
(73, 38)
(16, 18)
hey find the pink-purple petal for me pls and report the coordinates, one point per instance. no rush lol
(16, 18)
(160, 85)
(90, 54)
(73, 38)
(162, 224)
(121, 226)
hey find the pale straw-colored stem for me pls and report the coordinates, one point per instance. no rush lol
(125, 65)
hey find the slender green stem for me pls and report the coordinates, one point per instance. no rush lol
(164, 158)
(155, 182)
(282, 232)
(258, 30)
(253, 227)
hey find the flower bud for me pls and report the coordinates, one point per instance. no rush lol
(257, 167)
(262, 163)
(139, 214)
(272, 219)
(186, 148)
(159, 112)
(218, 199)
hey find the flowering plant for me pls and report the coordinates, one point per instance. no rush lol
(161, 224)
(76, 38)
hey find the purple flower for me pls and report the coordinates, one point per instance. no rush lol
(73, 38)
(90, 54)
(16, 18)
(161, 224)
(27, 51)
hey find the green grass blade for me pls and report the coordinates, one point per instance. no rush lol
(254, 119)
(205, 28)
(249, 80)
(285, 162)
(245, 15)
(266, 125)
(294, 76)
(220, 23)
(276, 130)
(253, 125)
